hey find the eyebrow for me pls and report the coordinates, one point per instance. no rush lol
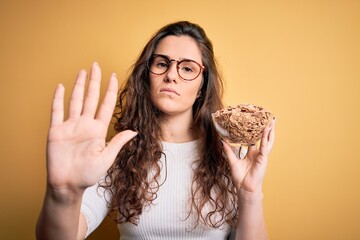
(168, 57)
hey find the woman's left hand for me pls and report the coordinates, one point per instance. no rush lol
(248, 173)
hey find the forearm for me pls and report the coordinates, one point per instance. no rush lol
(251, 222)
(59, 217)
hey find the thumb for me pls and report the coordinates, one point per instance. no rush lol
(231, 157)
(116, 143)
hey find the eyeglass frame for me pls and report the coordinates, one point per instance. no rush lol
(177, 65)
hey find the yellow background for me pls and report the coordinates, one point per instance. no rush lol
(299, 59)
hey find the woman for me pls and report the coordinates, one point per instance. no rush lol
(172, 178)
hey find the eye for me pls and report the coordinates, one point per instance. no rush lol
(162, 64)
(187, 69)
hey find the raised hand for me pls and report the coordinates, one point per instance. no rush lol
(77, 156)
(248, 173)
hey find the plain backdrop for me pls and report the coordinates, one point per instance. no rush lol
(298, 59)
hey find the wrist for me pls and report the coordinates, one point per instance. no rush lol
(250, 196)
(64, 195)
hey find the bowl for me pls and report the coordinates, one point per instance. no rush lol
(241, 125)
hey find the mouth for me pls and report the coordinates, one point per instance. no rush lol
(169, 90)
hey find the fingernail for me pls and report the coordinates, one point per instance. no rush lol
(242, 152)
(114, 74)
(82, 71)
(95, 64)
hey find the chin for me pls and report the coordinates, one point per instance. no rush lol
(170, 107)
(168, 112)
(166, 105)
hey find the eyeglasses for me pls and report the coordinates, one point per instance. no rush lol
(187, 69)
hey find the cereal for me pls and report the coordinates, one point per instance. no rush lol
(242, 124)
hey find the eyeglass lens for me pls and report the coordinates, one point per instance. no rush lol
(187, 69)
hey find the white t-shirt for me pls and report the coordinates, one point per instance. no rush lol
(166, 218)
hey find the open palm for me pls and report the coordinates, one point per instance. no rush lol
(77, 156)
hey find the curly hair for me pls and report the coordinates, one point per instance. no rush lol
(129, 180)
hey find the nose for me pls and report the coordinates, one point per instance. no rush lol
(172, 74)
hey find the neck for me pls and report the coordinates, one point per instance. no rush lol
(178, 129)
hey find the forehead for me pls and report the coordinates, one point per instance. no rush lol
(179, 47)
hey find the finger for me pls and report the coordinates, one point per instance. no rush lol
(115, 145)
(229, 153)
(77, 95)
(57, 109)
(108, 104)
(271, 138)
(252, 147)
(92, 96)
(264, 141)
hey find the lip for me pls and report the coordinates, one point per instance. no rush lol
(170, 90)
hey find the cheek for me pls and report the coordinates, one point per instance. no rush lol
(193, 92)
(153, 83)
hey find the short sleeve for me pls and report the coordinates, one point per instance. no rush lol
(94, 207)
